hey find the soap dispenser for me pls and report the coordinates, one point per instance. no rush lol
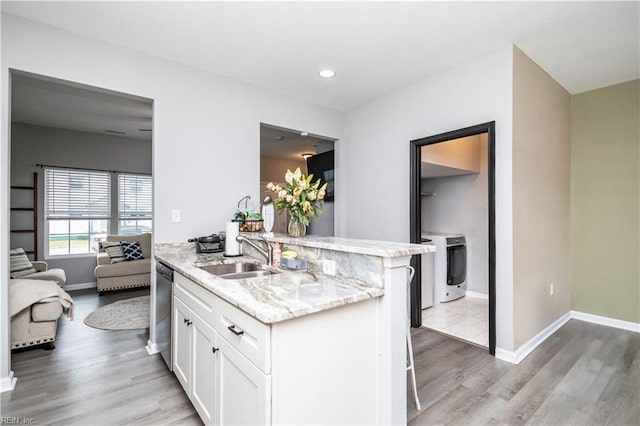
(277, 254)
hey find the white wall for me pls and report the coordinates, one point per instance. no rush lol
(376, 149)
(204, 126)
(461, 205)
(31, 145)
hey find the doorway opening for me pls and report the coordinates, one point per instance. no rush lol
(284, 149)
(452, 206)
(80, 169)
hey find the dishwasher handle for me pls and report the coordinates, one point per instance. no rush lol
(164, 271)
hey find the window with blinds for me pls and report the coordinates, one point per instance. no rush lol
(134, 204)
(77, 210)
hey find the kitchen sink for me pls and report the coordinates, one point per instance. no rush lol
(248, 274)
(236, 271)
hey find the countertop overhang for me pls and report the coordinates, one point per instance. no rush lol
(271, 298)
(287, 294)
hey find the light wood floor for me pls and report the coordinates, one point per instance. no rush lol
(96, 376)
(583, 374)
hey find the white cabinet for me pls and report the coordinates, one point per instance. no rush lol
(243, 389)
(315, 369)
(195, 359)
(181, 343)
(224, 386)
(205, 369)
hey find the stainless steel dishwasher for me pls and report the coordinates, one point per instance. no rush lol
(164, 283)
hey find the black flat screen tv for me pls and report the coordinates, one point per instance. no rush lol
(321, 166)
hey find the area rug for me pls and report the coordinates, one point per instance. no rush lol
(127, 314)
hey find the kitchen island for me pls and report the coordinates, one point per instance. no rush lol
(295, 346)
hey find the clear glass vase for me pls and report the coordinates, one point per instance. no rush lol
(296, 228)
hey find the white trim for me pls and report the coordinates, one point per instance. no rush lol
(80, 286)
(606, 321)
(8, 383)
(476, 295)
(151, 347)
(515, 357)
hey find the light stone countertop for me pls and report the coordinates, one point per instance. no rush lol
(350, 245)
(271, 298)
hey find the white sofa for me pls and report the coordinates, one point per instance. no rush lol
(121, 275)
(35, 306)
(46, 274)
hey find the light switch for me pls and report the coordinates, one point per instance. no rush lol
(175, 215)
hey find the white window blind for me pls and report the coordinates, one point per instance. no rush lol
(77, 194)
(134, 197)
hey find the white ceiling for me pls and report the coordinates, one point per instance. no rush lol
(276, 142)
(59, 104)
(374, 47)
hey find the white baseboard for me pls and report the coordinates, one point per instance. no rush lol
(477, 295)
(152, 348)
(609, 322)
(80, 286)
(515, 357)
(8, 383)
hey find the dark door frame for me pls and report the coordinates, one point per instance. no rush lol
(415, 219)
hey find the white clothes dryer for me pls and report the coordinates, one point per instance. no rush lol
(450, 265)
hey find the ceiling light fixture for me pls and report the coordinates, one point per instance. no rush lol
(307, 155)
(304, 134)
(327, 73)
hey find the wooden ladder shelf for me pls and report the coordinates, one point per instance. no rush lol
(34, 228)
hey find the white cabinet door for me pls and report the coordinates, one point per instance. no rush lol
(182, 343)
(244, 393)
(204, 369)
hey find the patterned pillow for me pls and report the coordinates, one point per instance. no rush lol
(113, 249)
(131, 250)
(19, 264)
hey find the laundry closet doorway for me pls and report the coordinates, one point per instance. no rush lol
(452, 206)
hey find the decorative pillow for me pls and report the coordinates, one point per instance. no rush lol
(131, 250)
(113, 249)
(19, 264)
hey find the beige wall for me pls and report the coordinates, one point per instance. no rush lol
(541, 199)
(273, 169)
(604, 203)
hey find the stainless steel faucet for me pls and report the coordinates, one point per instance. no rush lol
(268, 253)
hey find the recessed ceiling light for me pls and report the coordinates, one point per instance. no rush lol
(304, 134)
(327, 73)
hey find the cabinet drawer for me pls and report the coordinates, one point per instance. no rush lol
(249, 336)
(198, 299)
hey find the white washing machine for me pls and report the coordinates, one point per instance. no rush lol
(450, 265)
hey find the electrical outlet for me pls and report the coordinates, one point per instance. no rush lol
(175, 216)
(329, 267)
(552, 289)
